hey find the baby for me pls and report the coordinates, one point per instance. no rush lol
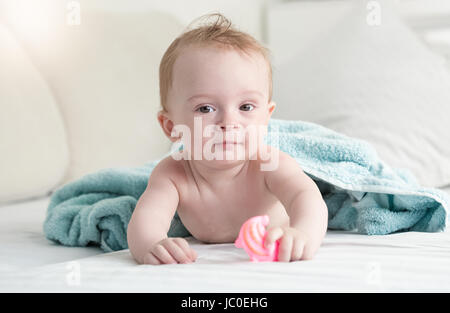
(217, 77)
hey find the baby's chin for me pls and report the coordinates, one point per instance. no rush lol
(221, 164)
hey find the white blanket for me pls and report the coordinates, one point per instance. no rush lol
(410, 261)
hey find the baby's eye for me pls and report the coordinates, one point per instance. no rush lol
(247, 107)
(205, 109)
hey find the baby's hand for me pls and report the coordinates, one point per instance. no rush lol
(293, 243)
(170, 251)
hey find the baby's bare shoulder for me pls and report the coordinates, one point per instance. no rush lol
(169, 168)
(282, 168)
(277, 159)
(287, 159)
(288, 177)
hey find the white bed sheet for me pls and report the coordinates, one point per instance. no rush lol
(410, 261)
(22, 242)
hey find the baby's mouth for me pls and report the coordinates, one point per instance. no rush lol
(228, 143)
(229, 140)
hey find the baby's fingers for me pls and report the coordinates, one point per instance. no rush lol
(273, 234)
(284, 253)
(176, 252)
(297, 250)
(161, 253)
(149, 258)
(188, 251)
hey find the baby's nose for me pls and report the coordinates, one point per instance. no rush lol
(229, 127)
(234, 132)
(228, 121)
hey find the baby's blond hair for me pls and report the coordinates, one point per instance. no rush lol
(220, 33)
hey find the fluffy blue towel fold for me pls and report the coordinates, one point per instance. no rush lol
(362, 193)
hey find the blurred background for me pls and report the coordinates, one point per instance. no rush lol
(79, 80)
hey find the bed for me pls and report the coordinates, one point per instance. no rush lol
(346, 262)
(367, 100)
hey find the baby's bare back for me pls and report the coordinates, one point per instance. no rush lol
(214, 212)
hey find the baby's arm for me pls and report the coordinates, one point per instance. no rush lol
(308, 213)
(150, 222)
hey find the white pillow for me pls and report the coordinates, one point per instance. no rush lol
(104, 73)
(378, 83)
(33, 149)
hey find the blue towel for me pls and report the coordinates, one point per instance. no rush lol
(362, 193)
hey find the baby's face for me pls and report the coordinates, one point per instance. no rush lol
(224, 88)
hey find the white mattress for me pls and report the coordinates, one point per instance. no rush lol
(346, 262)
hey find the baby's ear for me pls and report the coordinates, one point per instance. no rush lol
(272, 106)
(166, 124)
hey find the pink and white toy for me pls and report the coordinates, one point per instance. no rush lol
(251, 238)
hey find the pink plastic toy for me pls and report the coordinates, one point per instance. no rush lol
(251, 238)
